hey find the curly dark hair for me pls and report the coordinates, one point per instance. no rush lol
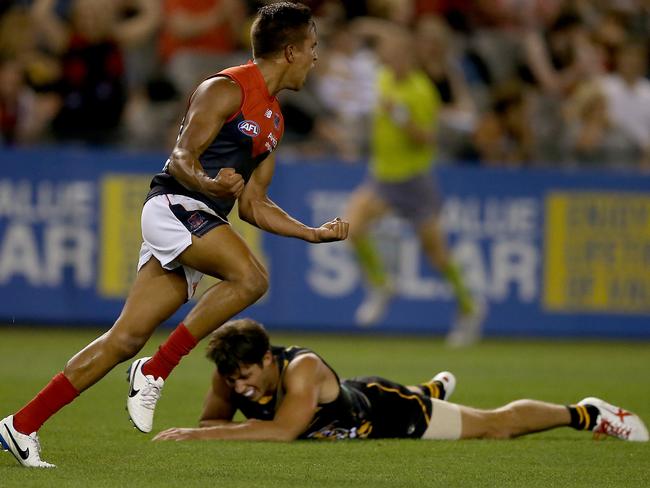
(242, 341)
(278, 25)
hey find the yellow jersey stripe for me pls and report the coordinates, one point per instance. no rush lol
(408, 397)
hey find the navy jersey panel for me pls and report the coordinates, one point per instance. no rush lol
(243, 142)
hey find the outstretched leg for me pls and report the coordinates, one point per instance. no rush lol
(452, 421)
(154, 296)
(517, 418)
(521, 417)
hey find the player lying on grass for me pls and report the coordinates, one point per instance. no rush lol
(292, 393)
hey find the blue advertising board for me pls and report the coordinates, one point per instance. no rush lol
(552, 252)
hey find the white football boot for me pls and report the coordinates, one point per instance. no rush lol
(25, 448)
(616, 422)
(144, 392)
(448, 381)
(374, 305)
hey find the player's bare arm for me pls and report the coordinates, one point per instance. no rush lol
(217, 405)
(256, 208)
(214, 101)
(307, 382)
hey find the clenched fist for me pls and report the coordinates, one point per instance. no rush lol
(334, 230)
(227, 184)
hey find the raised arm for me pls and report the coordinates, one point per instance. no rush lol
(304, 379)
(214, 101)
(142, 25)
(256, 208)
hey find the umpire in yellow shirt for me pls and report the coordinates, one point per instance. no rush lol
(400, 180)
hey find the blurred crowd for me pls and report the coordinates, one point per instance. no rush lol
(520, 82)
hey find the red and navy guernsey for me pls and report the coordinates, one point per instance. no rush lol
(243, 142)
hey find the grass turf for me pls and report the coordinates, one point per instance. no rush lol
(93, 443)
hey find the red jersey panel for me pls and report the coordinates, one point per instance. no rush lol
(244, 141)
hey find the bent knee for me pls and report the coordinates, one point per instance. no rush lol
(254, 282)
(124, 344)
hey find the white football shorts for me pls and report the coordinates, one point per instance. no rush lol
(168, 222)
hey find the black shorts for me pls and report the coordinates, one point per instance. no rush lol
(395, 411)
(415, 200)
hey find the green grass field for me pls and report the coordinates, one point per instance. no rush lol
(94, 445)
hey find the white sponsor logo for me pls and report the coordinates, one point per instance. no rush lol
(249, 127)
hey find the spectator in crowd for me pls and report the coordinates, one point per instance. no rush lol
(592, 139)
(200, 37)
(557, 58)
(23, 113)
(25, 110)
(346, 87)
(561, 56)
(608, 31)
(119, 75)
(441, 61)
(398, 12)
(92, 84)
(627, 93)
(19, 42)
(504, 136)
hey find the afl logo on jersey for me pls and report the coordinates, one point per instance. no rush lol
(249, 127)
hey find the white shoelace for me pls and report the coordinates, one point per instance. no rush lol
(150, 395)
(37, 442)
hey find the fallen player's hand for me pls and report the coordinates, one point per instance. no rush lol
(227, 184)
(177, 434)
(334, 230)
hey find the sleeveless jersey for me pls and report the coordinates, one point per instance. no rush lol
(345, 417)
(366, 407)
(243, 142)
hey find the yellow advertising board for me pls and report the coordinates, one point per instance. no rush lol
(597, 252)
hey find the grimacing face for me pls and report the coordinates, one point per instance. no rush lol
(252, 380)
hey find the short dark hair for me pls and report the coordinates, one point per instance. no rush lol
(237, 342)
(278, 25)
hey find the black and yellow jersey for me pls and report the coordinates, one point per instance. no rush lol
(370, 407)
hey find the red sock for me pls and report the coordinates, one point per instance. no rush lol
(56, 395)
(177, 345)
